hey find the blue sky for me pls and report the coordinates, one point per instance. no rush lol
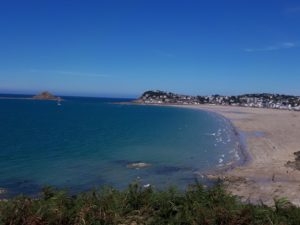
(121, 48)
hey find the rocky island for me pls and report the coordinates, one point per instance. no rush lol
(46, 96)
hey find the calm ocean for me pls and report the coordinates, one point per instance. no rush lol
(87, 142)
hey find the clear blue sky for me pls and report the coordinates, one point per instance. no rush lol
(121, 48)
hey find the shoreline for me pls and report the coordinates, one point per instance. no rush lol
(242, 150)
(220, 172)
(271, 138)
(242, 145)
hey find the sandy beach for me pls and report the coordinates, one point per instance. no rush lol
(265, 176)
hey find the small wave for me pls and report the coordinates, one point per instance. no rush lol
(212, 134)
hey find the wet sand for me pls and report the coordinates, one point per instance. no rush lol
(272, 136)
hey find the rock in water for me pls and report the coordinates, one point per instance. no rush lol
(2, 191)
(138, 165)
(46, 96)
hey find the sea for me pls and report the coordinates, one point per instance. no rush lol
(88, 143)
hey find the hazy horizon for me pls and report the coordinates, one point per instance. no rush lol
(121, 49)
(125, 96)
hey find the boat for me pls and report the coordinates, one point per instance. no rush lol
(59, 102)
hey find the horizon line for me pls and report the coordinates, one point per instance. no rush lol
(131, 97)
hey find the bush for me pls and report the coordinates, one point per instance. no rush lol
(138, 205)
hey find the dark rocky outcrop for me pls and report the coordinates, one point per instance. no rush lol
(46, 96)
(295, 164)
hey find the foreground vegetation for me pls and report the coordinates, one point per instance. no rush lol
(138, 205)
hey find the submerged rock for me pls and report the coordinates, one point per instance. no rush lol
(138, 165)
(2, 191)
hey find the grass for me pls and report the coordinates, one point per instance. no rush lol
(138, 205)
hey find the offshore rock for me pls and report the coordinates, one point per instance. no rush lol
(138, 165)
(46, 96)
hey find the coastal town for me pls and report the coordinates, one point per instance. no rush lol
(274, 101)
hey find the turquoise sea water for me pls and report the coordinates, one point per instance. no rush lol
(87, 142)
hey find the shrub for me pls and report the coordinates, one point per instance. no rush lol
(138, 205)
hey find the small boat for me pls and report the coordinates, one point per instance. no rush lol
(59, 102)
